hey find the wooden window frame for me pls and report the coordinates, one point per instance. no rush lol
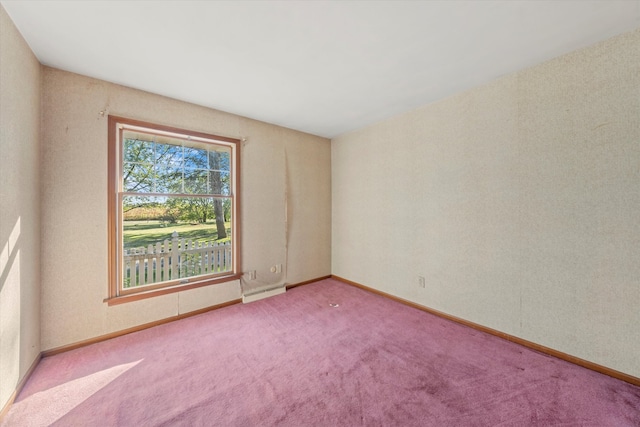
(118, 295)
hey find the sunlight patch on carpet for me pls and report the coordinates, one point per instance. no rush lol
(52, 404)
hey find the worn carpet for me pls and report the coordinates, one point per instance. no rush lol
(295, 360)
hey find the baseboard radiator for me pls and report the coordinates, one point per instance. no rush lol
(251, 295)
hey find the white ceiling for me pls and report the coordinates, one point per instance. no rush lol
(322, 67)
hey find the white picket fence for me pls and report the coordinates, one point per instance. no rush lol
(178, 258)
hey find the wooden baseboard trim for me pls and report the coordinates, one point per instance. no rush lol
(19, 386)
(529, 344)
(306, 282)
(105, 337)
(108, 336)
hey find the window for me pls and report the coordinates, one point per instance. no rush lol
(173, 209)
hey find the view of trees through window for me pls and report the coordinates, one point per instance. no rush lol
(175, 196)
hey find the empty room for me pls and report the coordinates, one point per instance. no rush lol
(320, 213)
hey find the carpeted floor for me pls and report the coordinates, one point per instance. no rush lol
(293, 360)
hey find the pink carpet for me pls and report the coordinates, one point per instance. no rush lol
(293, 360)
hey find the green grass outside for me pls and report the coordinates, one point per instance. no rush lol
(143, 233)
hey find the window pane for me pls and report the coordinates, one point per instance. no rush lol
(195, 181)
(195, 158)
(169, 156)
(168, 180)
(220, 159)
(179, 238)
(138, 177)
(139, 151)
(220, 183)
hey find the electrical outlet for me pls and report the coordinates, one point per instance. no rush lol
(421, 282)
(252, 275)
(276, 268)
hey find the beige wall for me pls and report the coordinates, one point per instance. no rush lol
(518, 201)
(19, 207)
(74, 202)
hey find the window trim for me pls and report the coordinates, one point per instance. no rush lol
(117, 295)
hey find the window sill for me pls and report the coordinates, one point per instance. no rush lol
(121, 299)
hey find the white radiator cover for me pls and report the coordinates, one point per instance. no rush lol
(258, 294)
